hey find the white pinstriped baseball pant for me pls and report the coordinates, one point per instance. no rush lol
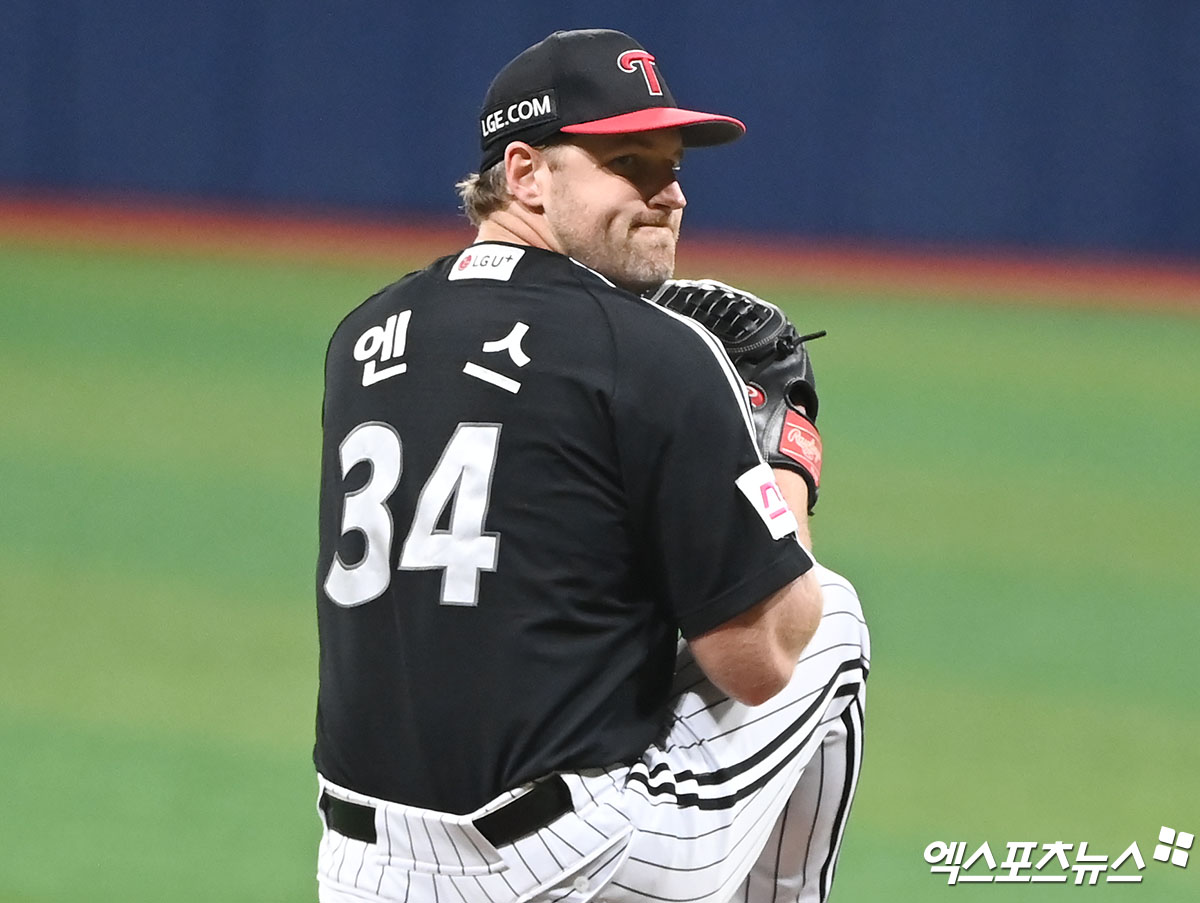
(735, 803)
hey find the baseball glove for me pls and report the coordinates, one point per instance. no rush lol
(770, 356)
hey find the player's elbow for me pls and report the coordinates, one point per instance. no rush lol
(753, 678)
(769, 682)
(800, 616)
(752, 657)
(805, 607)
(765, 671)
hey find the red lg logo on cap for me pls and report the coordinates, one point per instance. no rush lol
(632, 60)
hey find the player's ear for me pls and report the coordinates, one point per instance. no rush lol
(522, 167)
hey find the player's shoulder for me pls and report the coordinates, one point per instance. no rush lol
(480, 265)
(382, 297)
(671, 339)
(503, 272)
(558, 287)
(676, 343)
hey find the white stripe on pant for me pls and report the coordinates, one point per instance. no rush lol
(734, 803)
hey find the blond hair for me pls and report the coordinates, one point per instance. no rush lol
(483, 193)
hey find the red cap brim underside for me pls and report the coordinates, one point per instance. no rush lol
(699, 129)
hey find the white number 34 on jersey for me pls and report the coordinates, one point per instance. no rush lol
(463, 475)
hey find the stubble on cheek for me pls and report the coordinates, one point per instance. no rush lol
(635, 255)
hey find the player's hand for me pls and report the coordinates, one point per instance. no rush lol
(770, 356)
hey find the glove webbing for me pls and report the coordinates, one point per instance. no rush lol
(731, 318)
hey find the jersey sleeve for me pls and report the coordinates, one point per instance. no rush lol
(713, 529)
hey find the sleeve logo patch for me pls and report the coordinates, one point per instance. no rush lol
(760, 489)
(486, 262)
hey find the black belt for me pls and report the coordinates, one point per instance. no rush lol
(531, 812)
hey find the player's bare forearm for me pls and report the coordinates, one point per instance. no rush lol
(795, 491)
(752, 655)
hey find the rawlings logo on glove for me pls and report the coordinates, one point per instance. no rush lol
(771, 359)
(802, 443)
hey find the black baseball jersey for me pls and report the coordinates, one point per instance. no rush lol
(531, 480)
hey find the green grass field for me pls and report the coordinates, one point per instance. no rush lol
(1014, 490)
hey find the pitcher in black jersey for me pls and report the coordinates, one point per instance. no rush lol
(533, 483)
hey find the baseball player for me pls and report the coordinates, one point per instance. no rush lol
(539, 472)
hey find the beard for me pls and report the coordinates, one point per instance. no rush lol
(637, 256)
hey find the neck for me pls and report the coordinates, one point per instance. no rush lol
(508, 225)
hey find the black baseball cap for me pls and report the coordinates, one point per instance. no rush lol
(590, 81)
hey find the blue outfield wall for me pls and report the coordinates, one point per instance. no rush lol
(1065, 124)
